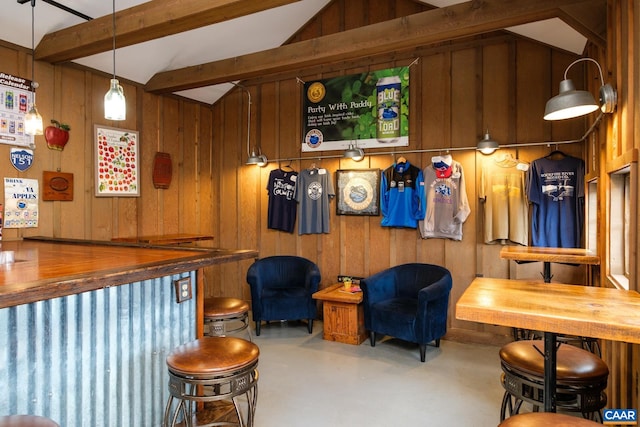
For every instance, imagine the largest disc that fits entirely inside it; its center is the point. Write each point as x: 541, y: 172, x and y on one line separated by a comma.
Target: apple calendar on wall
x: 15, y: 98
x: 116, y: 162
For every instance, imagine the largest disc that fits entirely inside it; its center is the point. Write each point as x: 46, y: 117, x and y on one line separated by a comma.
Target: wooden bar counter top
x: 46, y: 268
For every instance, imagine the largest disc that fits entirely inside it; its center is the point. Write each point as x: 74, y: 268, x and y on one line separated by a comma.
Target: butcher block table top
x: 587, y: 311
x: 537, y: 253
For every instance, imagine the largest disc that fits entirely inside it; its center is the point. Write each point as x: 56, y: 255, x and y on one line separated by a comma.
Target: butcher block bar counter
x: 85, y: 326
x: 48, y: 268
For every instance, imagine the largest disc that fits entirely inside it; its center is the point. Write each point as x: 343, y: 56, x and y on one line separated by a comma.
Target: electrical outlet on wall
x: 183, y: 289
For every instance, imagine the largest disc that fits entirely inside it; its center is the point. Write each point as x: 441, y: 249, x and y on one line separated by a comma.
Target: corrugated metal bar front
x: 97, y: 358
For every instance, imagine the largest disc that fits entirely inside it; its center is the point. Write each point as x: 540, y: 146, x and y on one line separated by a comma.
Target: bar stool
x: 212, y: 369
x: 581, y: 379
x: 223, y: 316
x: 26, y: 421
x: 545, y: 419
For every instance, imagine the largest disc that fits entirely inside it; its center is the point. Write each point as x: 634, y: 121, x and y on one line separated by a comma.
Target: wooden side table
x: 343, y: 315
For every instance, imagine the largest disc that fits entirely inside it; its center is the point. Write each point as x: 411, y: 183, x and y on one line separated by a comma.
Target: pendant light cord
x: 114, y: 38
x: 33, y: 49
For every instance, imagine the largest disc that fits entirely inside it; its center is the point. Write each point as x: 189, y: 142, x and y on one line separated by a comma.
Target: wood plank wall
x: 614, y: 146
x: 459, y: 89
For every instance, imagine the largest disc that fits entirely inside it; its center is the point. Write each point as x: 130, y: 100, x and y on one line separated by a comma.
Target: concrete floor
x: 306, y: 381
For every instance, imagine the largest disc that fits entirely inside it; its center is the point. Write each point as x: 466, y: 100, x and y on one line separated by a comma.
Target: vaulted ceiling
x: 196, y: 48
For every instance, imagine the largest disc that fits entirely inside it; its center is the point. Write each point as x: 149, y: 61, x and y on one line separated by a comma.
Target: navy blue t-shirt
x: 281, y: 213
x: 555, y: 187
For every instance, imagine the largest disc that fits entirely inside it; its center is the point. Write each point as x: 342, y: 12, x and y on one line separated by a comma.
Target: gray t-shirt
x: 314, y: 190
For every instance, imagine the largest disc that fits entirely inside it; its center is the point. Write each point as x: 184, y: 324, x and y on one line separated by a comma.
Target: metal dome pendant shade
x: 570, y: 103
x: 354, y: 153
x: 487, y: 145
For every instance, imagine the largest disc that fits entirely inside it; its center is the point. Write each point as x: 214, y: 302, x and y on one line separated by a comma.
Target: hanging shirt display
x: 503, y: 196
x: 314, y: 190
x: 555, y: 187
x: 402, y: 201
x: 282, y: 206
x: 447, y: 203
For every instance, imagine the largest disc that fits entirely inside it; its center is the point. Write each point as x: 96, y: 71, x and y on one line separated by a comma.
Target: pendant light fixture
x: 354, y: 153
x: 570, y: 103
x: 255, y: 156
x: 487, y: 145
x: 33, y: 119
x: 115, y: 106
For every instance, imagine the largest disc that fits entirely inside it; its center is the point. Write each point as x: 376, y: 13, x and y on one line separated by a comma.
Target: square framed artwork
x: 358, y: 192
x: 116, y: 162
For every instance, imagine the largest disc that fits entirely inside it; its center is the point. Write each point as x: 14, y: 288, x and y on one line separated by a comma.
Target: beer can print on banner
x: 388, y: 96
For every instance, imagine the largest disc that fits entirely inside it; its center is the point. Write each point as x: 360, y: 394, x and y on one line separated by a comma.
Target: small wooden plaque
x: 57, y: 186
x: 162, y: 170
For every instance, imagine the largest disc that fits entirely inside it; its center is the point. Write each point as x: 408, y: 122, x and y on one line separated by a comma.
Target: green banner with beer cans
x: 365, y: 110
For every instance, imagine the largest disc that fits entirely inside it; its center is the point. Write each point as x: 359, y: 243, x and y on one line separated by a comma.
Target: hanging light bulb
x: 115, y: 105
x: 33, y: 119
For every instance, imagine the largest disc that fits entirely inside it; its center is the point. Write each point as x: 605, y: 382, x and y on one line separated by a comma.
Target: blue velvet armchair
x: 281, y: 289
x: 409, y: 302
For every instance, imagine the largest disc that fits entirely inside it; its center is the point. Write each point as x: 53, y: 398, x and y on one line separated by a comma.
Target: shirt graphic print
x: 282, y: 207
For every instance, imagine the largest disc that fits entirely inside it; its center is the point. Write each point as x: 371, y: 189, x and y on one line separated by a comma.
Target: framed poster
x: 358, y: 192
x: 116, y: 162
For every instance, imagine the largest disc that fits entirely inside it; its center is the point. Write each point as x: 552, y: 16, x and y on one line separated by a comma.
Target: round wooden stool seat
x: 205, y: 357
x: 581, y: 378
x: 26, y: 421
x: 212, y: 369
x: 574, y: 365
x: 545, y: 419
x: 224, y: 316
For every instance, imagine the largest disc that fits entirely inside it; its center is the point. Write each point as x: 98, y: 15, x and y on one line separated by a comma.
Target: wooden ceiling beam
x: 433, y: 26
x: 589, y: 18
x: 144, y: 22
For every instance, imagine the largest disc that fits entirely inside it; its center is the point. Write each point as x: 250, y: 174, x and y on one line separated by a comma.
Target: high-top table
x: 549, y: 255
x: 554, y: 308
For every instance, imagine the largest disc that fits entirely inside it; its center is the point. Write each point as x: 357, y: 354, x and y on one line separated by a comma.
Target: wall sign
x: 162, y: 170
x: 16, y: 96
x: 57, y: 186
x: 21, y: 158
x: 116, y: 162
x: 370, y: 110
x: 20, y: 203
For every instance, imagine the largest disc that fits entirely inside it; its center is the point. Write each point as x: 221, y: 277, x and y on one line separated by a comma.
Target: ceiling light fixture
x: 487, y: 145
x: 33, y: 119
x: 354, y: 153
x: 255, y: 156
x: 115, y: 105
x: 570, y: 103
